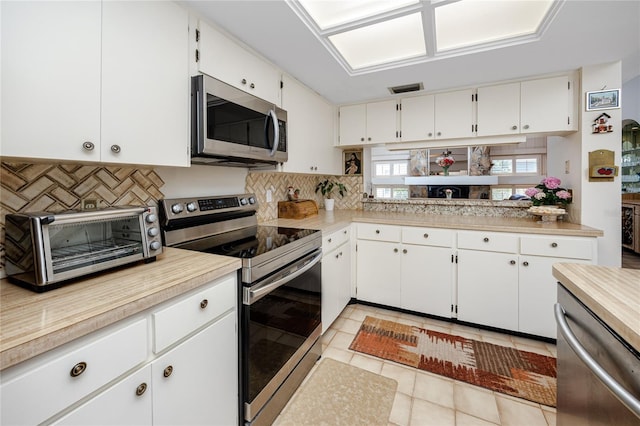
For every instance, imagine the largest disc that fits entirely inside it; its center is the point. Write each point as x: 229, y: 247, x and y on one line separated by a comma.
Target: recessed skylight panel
x: 474, y: 22
x: 388, y: 41
x: 332, y: 13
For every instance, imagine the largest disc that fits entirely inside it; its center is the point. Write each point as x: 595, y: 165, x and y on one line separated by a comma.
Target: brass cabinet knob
x: 426, y: 235
x: 244, y: 81
x: 204, y: 303
x: 141, y: 389
x: 554, y: 245
x: 377, y: 231
x: 115, y: 149
x: 78, y: 369
x: 526, y: 126
x: 167, y: 371
x: 88, y: 146
x: 514, y: 127
x: 512, y: 262
x: 404, y: 251
x: 253, y: 86
x: 485, y: 239
x: 395, y: 250
x: 525, y: 263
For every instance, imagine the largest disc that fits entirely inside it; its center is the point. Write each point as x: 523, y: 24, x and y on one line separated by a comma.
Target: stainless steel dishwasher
x: 598, y: 372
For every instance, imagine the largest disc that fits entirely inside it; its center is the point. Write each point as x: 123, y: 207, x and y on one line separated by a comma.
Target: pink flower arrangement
x: 548, y: 192
x: 445, y: 161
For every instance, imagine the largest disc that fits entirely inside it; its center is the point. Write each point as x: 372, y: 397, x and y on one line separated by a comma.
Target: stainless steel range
x: 279, y: 296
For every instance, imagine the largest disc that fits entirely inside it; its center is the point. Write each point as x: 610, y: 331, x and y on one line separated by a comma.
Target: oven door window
x: 276, y: 326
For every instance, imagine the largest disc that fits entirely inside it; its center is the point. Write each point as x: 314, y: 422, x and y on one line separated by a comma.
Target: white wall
x: 596, y: 204
x: 631, y: 99
x: 201, y: 181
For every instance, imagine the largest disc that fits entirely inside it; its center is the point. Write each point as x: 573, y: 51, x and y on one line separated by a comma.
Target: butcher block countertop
x: 613, y: 294
x: 330, y: 221
x: 33, y: 323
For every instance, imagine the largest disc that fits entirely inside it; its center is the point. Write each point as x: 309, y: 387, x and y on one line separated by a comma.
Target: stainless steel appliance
x: 598, y: 372
x: 43, y: 250
x: 280, y: 293
x: 233, y: 128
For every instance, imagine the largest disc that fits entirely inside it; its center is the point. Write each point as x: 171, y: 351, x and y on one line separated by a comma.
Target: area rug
x: 502, y: 369
x: 340, y: 394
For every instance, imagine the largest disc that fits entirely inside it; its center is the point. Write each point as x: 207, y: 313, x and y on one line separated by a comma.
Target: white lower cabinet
x: 336, y: 275
x: 111, y: 376
x: 379, y: 268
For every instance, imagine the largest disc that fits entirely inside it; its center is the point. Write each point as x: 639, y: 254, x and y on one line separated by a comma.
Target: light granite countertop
x: 330, y: 221
x: 613, y: 294
x: 33, y: 323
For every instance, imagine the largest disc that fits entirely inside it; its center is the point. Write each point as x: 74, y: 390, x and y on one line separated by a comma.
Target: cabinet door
x: 454, y: 114
x: 381, y: 122
x: 145, y: 83
x: 196, y: 383
x: 226, y: 60
x: 131, y: 396
x: 498, y: 110
x: 50, y: 80
x: 336, y: 273
x: 537, y: 294
x: 417, y: 118
x: 378, y: 272
x: 310, y: 131
x: 488, y: 288
x: 544, y: 105
x: 353, y: 124
x: 427, y: 279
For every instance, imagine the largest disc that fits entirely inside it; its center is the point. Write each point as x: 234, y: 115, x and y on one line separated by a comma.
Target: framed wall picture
x: 603, y: 99
x: 352, y: 160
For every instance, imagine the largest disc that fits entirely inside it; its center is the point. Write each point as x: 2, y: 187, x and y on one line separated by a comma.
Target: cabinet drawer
x: 488, y: 241
x: 181, y: 318
x: 574, y: 248
x: 370, y: 231
x: 335, y: 239
x: 48, y: 387
x: 428, y: 236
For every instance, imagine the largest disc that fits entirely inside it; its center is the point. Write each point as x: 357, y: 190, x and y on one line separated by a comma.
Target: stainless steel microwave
x: 45, y: 250
x: 234, y: 128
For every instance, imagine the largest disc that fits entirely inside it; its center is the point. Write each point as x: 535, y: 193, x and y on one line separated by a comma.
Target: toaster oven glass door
x: 88, y: 246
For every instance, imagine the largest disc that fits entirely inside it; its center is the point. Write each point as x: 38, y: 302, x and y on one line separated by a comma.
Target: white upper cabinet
x: 371, y: 123
x: 145, y: 83
x: 310, y: 131
x: 224, y: 59
x: 417, y: 118
x: 111, y: 82
x: 50, y: 79
x: 454, y: 114
x: 535, y: 106
x: 499, y: 110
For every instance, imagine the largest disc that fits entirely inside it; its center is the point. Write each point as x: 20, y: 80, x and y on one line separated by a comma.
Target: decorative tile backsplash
x: 60, y: 187
x: 260, y: 182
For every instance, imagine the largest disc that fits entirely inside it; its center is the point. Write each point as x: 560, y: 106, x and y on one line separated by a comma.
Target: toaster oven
x: 44, y: 250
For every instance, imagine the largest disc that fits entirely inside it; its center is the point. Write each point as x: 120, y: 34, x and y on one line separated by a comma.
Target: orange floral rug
x: 499, y: 368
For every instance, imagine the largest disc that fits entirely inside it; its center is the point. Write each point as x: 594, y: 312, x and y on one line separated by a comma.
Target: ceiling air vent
x: 406, y: 88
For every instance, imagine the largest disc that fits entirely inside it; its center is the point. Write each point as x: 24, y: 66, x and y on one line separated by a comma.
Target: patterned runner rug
x: 340, y: 394
x: 502, y: 369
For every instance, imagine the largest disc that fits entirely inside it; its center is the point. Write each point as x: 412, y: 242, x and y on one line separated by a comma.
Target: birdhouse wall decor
x: 601, y: 124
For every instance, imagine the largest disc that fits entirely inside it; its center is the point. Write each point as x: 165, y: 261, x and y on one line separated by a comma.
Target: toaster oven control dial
x: 151, y: 218
x: 176, y: 208
x: 155, y: 245
x: 153, y: 231
x: 191, y: 207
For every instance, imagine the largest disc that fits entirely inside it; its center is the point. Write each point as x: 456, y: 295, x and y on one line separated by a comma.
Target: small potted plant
x: 326, y: 188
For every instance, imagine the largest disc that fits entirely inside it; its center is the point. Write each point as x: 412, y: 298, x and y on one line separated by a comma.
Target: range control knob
x: 151, y: 218
x: 243, y: 201
x: 152, y: 232
x: 155, y: 245
x: 177, y: 208
x: 191, y: 207
x: 252, y: 200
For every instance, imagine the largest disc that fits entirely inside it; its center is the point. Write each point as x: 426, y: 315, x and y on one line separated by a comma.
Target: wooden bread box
x: 297, y: 209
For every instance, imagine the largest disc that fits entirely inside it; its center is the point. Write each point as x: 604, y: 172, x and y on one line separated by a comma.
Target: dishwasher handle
x: 624, y: 396
x: 253, y: 294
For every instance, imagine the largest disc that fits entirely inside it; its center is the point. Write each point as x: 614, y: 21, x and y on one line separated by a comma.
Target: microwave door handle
x: 252, y: 295
x: 276, y: 133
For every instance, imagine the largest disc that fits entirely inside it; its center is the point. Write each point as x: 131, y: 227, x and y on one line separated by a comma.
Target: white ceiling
x: 584, y: 32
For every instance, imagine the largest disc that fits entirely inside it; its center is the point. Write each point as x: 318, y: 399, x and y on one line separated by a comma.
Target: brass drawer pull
x: 142, y: 388
x: 426, y: 235
x: 78, y: 369
x: 554, y: 245
x: 512, y: 262
x: 204, y: 303
x: 167, y: 371
x: 486, y: 239
x: 525, y: 263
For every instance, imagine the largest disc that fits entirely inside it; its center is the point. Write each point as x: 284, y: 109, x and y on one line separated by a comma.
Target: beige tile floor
x: 424, y: 399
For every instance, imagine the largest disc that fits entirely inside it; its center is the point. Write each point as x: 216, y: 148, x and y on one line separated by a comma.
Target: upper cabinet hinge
x: 568, y: 120
x: 197, y: 55
x: 456, y: 258
x: 197, y: 34
x: 281, y: 84
x: 568, y: 85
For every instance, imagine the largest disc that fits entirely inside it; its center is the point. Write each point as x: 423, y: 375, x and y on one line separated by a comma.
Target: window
x: 503, y: 192
x: 516, y: 165
x: 389, y: 170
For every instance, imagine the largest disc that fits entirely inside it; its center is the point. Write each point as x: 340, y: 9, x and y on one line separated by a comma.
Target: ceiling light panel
x: 329, y: 14
x: 388, y: 41
x: 473, y: 22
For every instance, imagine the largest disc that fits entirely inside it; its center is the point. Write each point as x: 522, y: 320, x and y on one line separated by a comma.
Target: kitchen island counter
x: 613, y: 294
x: 33, y: 323
x: 331, y: 221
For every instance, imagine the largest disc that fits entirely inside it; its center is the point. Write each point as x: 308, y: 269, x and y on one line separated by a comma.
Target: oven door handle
x: 614, y: 387
x: 253, y: 294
